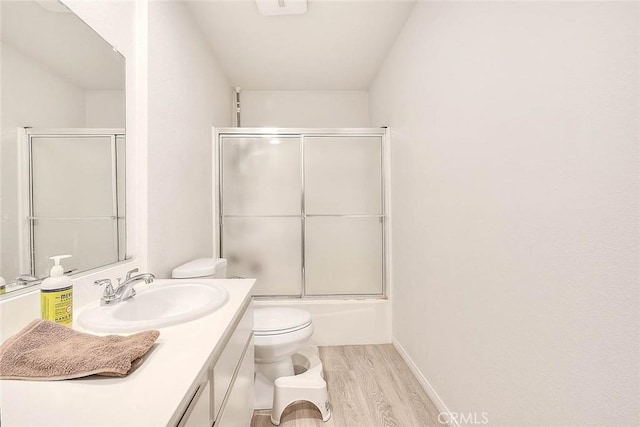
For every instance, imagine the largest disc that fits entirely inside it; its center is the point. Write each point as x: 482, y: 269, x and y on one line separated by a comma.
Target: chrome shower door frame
x: 303, y: 133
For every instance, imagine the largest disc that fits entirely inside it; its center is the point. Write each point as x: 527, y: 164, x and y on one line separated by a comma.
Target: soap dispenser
x: 56, y: 294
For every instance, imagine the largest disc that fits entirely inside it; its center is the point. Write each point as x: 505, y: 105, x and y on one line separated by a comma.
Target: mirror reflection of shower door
x: 261, y: 211
x: 76, y: 206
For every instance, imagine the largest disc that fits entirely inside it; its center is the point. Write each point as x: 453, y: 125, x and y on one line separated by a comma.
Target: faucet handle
x: 109, y: 295
x: 108, y: 291
x: 102, y: 282
x: 130, y: 273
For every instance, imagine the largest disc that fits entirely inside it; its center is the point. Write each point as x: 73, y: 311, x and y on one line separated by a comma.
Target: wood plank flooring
x: 369, y: 385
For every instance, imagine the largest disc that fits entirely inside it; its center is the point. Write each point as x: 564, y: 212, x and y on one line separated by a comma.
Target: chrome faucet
x: 125, y: 289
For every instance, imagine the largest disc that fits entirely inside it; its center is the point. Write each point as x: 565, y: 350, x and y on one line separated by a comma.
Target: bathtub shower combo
x: 303, y: 211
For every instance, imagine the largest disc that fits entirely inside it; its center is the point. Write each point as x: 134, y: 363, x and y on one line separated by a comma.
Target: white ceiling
x: 62, y: 43
x: 336, y: 45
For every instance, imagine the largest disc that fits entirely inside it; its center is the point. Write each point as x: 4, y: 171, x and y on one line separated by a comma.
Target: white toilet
x: 278, y: 333
x: 279, y: 336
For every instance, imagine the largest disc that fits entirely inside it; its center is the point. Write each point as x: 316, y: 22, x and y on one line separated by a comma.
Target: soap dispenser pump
x: 56, y: 294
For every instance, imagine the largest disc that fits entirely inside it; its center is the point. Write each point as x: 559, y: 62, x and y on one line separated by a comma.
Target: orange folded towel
x: 44, y: 350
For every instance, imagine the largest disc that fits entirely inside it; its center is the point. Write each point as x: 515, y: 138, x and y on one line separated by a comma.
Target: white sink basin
x: 154, y: 307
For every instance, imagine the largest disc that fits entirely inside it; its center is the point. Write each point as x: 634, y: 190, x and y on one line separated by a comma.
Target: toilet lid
x: 201, y: 267
x: 268, y: 321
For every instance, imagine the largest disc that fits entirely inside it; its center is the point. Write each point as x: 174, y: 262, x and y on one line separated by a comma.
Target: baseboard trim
x: 424, y: 383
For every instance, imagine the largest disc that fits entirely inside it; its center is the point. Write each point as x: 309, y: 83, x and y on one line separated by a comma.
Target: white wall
x: 304, y: 108
x: 188, y: 94
x: 105, y: 109
x: 34, y: 96
x: 515, y: 206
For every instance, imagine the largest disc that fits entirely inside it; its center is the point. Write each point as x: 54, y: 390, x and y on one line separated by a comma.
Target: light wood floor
x: 369, y: 385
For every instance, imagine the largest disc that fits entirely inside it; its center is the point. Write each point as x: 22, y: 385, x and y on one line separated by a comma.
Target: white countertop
x: 150, y: 396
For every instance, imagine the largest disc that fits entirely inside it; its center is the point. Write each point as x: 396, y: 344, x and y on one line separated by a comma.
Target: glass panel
x: 261, y: 175
x: 90, y: 241
x: 72, y: 177
x: 267, y: 249
x: 343, y: 175
x: 343, y: 256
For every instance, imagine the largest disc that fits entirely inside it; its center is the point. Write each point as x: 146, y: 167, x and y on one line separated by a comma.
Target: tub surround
x: 343, y: 321
x: 157, y: 393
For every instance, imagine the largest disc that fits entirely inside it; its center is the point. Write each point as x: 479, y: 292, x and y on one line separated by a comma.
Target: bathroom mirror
x: 62, y: 152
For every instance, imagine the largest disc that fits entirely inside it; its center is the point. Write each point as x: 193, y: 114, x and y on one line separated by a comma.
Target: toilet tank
x: 209, y: 268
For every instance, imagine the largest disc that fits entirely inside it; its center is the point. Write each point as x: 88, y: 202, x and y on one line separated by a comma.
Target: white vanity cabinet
x: 198, y: 374
x: 223, y: 395
x: 234, y: 411
x: 198, y: 412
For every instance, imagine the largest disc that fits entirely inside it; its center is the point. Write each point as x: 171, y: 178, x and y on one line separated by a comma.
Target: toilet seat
x: 279, y: 321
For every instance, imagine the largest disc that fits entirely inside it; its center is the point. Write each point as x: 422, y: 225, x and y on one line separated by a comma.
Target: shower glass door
x: 303, y: 210
x: 261, y: 215
x: 344, y: 215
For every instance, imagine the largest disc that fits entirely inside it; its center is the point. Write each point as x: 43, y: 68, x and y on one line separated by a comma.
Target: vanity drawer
x: 231, y: 356
x: 197, y: 413
x: 238, y: 408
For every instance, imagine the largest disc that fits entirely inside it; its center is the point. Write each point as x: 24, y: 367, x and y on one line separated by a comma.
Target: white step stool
x: 309, y: 386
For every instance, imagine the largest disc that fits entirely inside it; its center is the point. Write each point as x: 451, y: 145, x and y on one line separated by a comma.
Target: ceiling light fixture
x: 281, y: 7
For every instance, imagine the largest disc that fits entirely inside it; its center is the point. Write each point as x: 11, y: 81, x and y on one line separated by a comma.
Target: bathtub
x: 343, y: 322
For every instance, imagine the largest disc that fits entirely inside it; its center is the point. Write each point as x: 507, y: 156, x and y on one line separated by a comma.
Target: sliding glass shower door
x: 303, y: 210
x: 261, y: 211
x: 344, y: 215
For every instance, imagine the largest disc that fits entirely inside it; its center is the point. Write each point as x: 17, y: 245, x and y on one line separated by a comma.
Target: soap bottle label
x: 57, y: 305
